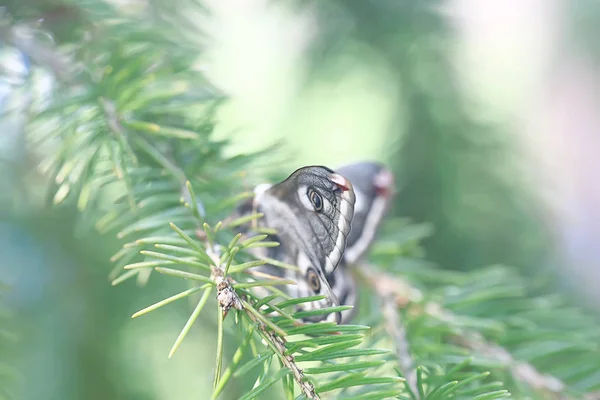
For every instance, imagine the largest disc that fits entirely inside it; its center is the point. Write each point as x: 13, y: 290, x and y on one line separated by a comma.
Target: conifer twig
x: 278, y: 343
x: 397, y: 331
x: 228, y: 298
x: 397, y: 292
x: 521, y: 370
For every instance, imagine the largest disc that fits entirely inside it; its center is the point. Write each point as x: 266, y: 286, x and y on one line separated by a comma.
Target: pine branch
x: 272, y: 323
x: 522, y: 371
x: 397, y: 293
x: 278, y: 344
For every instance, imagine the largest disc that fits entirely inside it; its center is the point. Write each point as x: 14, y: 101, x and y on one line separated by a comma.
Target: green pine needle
x: 148, y: 264
x: 168, y: 300
x: 210, y: 236
x: 190, y: 321
x: 301, y: 300
x: 314, y: 342
x: 254, y: 393
x: 264, y: 319
x: 263, y: 244
x: 321, y: 311
x: 232, y: 253
x: 280, y: 264
x: 176, y: 249
x: 194, y: 205
x: 176, y: 260
x: 153, y: 240
x: 264, y: 283
x: 233, y: 241
x: 127, y: 275
x: 244, y: 266
x: 354, y: 366
x: 189, y: 240
x: 341, y: 354
x: 498, y: 394
x: 376, y: 395
x: 245, y: 219
x: 252, y: 240
x: 358, y: 380
x: 184, y: 275
x: 325, y: 352
x: 254, y: 362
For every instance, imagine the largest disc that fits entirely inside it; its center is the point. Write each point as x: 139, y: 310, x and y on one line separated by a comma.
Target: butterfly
x: 311, y: 211
x: 315, y: 215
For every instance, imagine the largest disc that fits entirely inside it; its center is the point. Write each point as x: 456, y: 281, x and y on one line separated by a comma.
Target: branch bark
x: 397, y: 331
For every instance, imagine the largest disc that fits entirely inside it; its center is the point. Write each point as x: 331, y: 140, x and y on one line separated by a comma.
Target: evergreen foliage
x: 127, y: 138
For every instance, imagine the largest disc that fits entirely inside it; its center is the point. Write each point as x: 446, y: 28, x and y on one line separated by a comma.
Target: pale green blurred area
x: 78, y: 341
x: 76, y: 338
x: 257, y: 58
x: 350, y: 111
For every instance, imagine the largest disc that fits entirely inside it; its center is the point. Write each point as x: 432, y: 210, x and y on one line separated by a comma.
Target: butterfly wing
x: 290, y: 252
x: 311, y: 210
x: 319, y: 206
x: 374, y: 188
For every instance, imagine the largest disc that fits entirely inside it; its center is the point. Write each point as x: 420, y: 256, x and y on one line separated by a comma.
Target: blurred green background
x: 486, y: 111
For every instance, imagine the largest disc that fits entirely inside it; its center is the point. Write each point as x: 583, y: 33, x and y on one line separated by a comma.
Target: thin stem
x: 397, y: 331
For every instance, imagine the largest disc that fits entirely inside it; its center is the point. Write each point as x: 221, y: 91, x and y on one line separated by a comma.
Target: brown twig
x: 397, y: 331
x: 520, y: 370
x: 397, y: 293
x: 288, y: 360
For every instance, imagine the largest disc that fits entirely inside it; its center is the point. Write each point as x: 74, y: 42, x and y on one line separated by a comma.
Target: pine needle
x: 190, y: 321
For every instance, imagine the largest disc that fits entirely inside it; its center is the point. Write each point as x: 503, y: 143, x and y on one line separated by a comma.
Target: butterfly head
x: 383, y: 183
x: 371, y: 178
